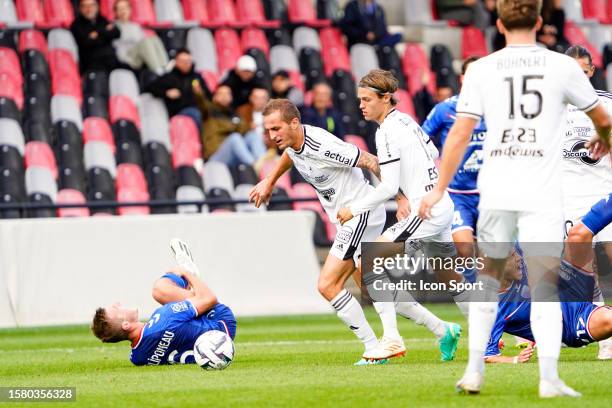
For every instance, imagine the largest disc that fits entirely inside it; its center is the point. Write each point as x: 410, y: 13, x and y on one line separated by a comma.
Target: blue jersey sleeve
x: 496, y: 334
x: 435, y: 123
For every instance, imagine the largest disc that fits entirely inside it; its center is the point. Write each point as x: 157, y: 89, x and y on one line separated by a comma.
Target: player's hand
x: 173, y: 93
x: 344, y: 215
x: 597, y: 148
x: 525, y: 354
x: 196, y: 87
x: 403, y: 207
x: 261, y: 193
x: 429, y: 201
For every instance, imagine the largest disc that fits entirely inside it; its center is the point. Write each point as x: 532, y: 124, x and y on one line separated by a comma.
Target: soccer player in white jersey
x: 522, y: 92
x: 331, y: 166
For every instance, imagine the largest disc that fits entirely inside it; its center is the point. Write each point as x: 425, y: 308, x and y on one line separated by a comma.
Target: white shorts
x: 499, y: 229
x: 577, y: 207
x: 362, y: 228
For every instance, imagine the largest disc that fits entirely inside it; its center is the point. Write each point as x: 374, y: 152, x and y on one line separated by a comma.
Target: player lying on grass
x: 331, y: 166
x: 583, y: 322
x: 189, y: 308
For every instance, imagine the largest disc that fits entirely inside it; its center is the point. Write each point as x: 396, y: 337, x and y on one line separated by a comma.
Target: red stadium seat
x: 70, y: 196
x: 128, y: 195
x: 186, y: 154
x: 143, y: 12
x: 255, y: 38
x: 575, y: 36
x: 305, y: 190
x: 31, y: 11
x: 130, y: 176
x: 228, y: 49
x: 473, y: 43
x: 222, y: 13
x: 415, y: 64
x: 357, y: 141
x: 183, y: 130
x: 39, y: 154
x: 65, y: 78
x: 251, y: 12
x: 333, y: 51
x: 405, y: 103
x: 595, y: 9
x: 9, y: 88
x: 330, y: 228
x: 195, y: 10
x: 32, y: 40
x: 98, y: 129
x: 107, y: 9
x: 122, y: 107
x: 303, y: 12
x: 296, y: 80
x: 9, y: 64
x: 284, y: 181
x: 58, y: 12
x: 211, y: 79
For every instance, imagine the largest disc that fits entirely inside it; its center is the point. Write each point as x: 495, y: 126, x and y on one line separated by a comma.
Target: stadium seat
x: 186, y: 154
x: 389, y: 60
x: 37, y: 86
x: 129, y: 151
x: 417, y: 12
x: 405, y: 103
x: 124, y: 82
x: 96, y: 83
x: 415, y: 64
x: 107, y: 9
x: 279, y: 36
x: 37, y: 110
x: 98, y: 129
x: 39, y: 154
x: 311, y: 66
x: 363, y: 59
x: 122, y: 107
x: 473, y: 43
x: 12, y: 182
x: 128, y: 195
x: 62, y: 39
x: 211, y: 79
x: 282, y: 57
x: 66, y: 108
x: 70, y: 196
x: 169, y: 11
x: 58, y: 13
x: 40, y: 180
x: 244, y: 174
x: 219, y: 194
x: 188, y: 176
x: 196, y: 11
x: 251, y: 12
x: 161, y: 186
x: 156, y: 154
x: 333, y: 51
x: 296, y: 176
x: 173, y: 39
x: 65, y: 79
x: 190, y: 193
x: 263, y: 67
x: 156, y: 125
x: 34, y: 62
x: 30, y: 11
x: 38, y: 130
x: 303, y: 12
x: 440, y: 57
x: 130, y: 176
x: 70, y: 154
x: 72, y: 178
x: 228, y: 49
x: 8, y: 109
x: 11, y: 134
x: 241, y: 192
x: 10, y: 158
x: 143, y: 12
x: 575, y: 36
x: 183, y: 130
x: 357, y: 141
x: 328, y: 10
x: 222, y: 13
x: 67, y: 132
x: 99, y: 155
x: 201, y: 44
x: 32, y: 40
x: 217, y: 175
x: 40, y: 198
x: 101, y: 187
x: 9, y: 65
x: 305, y: 37
x: 345, y: 95
x: 284, y: 181
x: 95, y: 106
x: 10, y: 89
x: 8, y: 14
x: 254, y: 38
x: 275, y: 10
x: 596, y: 10
x: 7, y: 38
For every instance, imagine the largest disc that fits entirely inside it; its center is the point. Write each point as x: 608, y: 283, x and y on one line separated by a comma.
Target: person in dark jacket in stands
x: 242, y: 80
x: 321, y: 113
x: 364, y: 22
x: 94, y: 36
x: 176, y: 88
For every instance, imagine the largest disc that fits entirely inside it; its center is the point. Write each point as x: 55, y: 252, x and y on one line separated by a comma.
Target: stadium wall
x: 58, y: 271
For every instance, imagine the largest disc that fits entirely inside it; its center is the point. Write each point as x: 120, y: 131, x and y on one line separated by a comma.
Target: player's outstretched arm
x: 262, y: 192
x: 599, y: 145
x: 369, y: 162
x: 203, y: 297
x: 523, y: 357
x: 454, y: 149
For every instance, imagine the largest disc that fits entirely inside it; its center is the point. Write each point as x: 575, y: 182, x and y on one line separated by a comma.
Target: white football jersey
x: 328, y: 164
x: 522, y: 92
x: 583, y: 176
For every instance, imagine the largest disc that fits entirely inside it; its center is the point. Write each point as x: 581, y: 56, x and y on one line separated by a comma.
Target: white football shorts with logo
x: 574, y: 208
x: 362, y: 228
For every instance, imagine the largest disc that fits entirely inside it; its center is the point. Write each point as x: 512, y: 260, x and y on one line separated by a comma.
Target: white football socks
x: 483, y: 311
x: 350, y: 312
x: 421, y: 316
x: 547, y: 328
x: 386, y: 311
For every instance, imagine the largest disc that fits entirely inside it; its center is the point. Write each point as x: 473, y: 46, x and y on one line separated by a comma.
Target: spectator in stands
x: 283, y: 89
x: 242, y: 80
x: 223, y: 130
x: 133, y: 47
x: 176, y: 88
x: 252, y: 112
x: 465, y: 12
x: 552, y: 33
x: 364, y: 22
x: 94, y: 35
x: 321, y: 113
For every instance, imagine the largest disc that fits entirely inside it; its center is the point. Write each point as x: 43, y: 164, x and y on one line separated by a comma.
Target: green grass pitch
x: 297, y: 361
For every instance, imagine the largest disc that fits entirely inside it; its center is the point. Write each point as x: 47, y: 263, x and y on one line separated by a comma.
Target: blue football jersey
x: 169, y: 335
x: 438, y: 123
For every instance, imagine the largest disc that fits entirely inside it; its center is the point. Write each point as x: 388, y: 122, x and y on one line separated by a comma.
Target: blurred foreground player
x: 189, y: 309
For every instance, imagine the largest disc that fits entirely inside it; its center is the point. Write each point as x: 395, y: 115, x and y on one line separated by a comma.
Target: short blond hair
x: 381, y: 82
x: 519, y: 14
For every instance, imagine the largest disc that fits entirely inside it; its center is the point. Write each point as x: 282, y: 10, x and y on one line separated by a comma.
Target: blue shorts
x: 599, y: 216
x: 466, y: 211
x: 576, y: 323
x: 220, y: 316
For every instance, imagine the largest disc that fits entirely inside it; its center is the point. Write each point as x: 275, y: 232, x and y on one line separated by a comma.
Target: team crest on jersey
x: 344, y: 235
x: 179, y: 307
x: 580, y: 152
x: 328, y: 194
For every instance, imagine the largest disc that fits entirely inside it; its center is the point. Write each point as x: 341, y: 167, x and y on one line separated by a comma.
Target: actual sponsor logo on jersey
x: 328, y: 194
x: 179, y: 307
x: 580, y: 152
x: 344, y: 235
x: 337, y: 157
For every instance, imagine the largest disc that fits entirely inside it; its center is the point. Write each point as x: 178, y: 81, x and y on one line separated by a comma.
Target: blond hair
x: 380, y: 82
x: 519, y: 14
